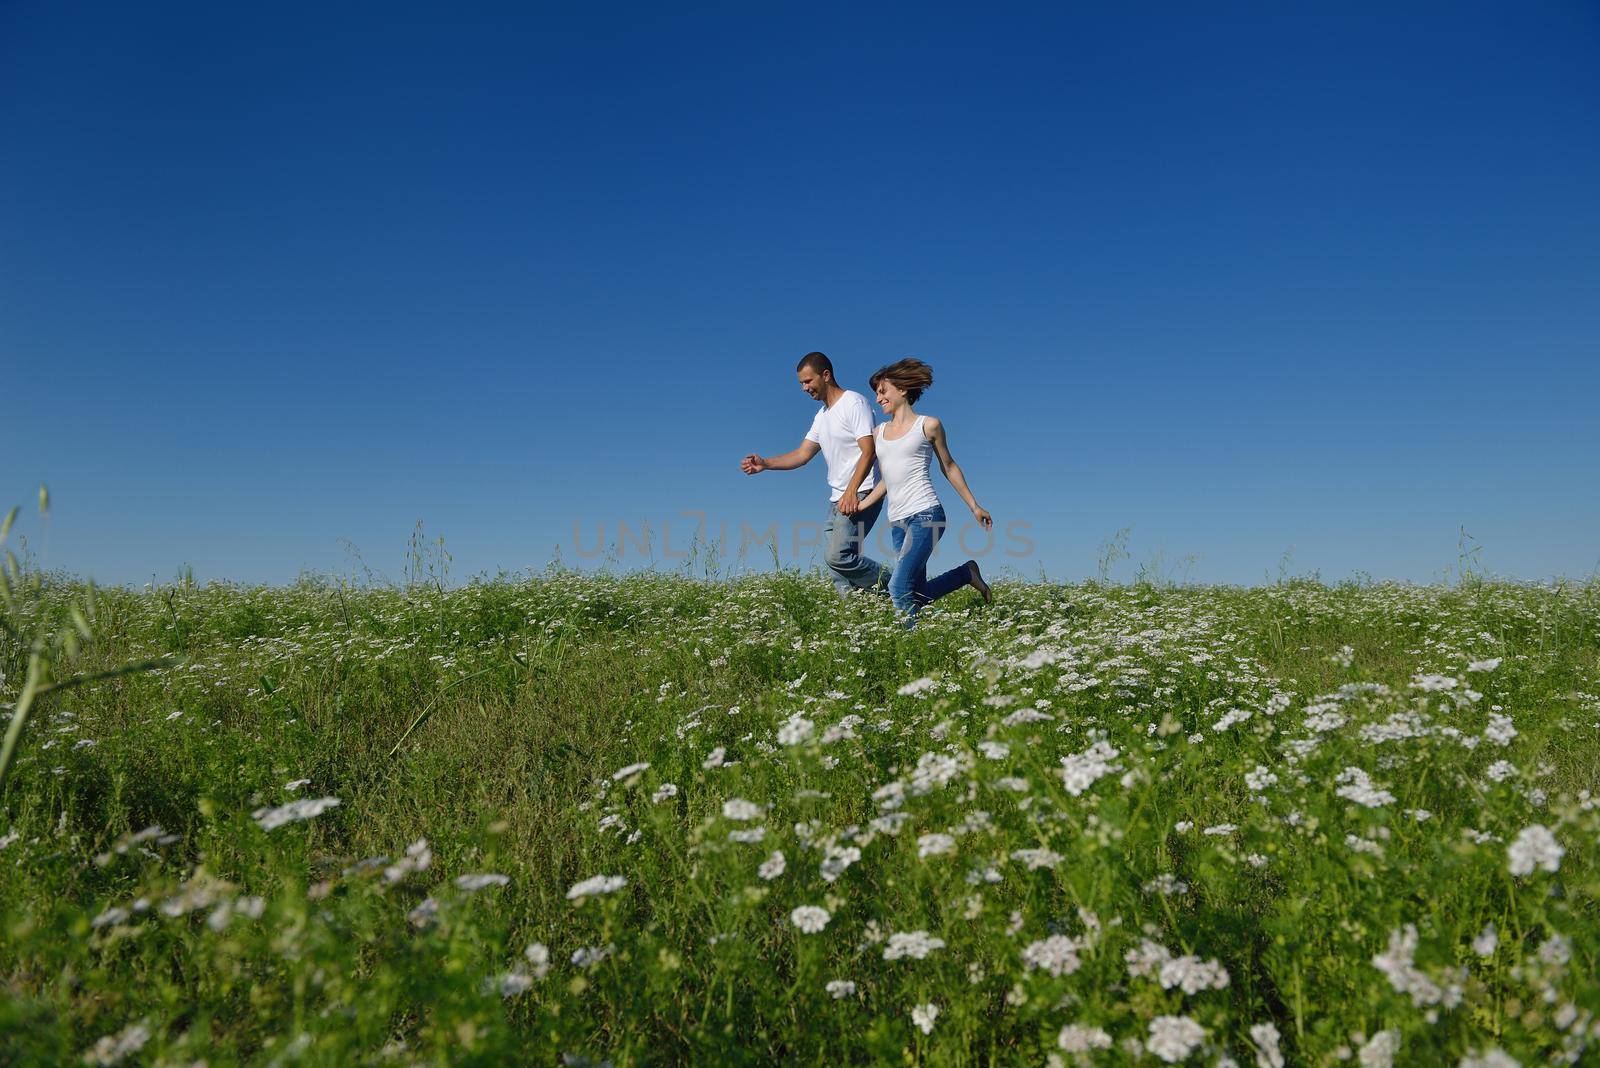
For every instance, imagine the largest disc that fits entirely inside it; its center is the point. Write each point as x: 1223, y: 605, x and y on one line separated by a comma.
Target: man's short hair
x: 817, y: 362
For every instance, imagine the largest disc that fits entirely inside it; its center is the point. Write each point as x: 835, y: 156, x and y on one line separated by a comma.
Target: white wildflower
x: 589, y: 956
x: 914, y: 944
x: 1501, y: 770
x: 810, y: 918
x: 194, y: 895
x: 1535, y: 847
x: 890, y: 823
x: 1266, y: 1038
x: 1320, y: 719
x: 1079, y: 771
x: 1434, y: 683
x: 480, y: 881
x: 738, y: 808
x: 1396, y: 962
x: 1146, y: 959
x: 934, y: 770
x: 665, y: 792
x: 631, y: 769
x: 418, y: 857
x: 1555, y: 950
x: 1358, y: 844
x: 303, y: 809
x: 1379, y: 1050
x: 773, y: 866
x: 1500, y: 730
x: 923, y: 1016
x: 1037, y: 858
x: 1174, y: 1038
x: 796, y: 731
x: 890, y: 796
x: 1057, y: 955
x: 1232, y: 717
x: 1192, y: 975
x: 1357, y: 786
x: 933, y: 845
x: 836, y: 859
x: 1076, y: 1038
x: 593, y: 887
x: 839, y: 989
x: 845, y: 728
x: 1258, y: 780
x: 513, y: 983
x: 1166, y: 884
x: 114, y: 1049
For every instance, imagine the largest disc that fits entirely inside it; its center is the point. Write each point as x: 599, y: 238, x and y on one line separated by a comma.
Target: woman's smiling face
x: 890, y: 396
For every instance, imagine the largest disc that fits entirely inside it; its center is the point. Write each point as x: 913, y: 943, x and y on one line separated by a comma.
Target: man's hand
x: 752, y: 464
x: 849, y: 504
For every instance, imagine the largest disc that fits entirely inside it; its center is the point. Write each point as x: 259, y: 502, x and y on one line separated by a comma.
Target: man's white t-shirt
x: 836, y: 430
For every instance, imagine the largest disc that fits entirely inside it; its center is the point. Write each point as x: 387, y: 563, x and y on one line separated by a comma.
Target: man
x: 842, y: 432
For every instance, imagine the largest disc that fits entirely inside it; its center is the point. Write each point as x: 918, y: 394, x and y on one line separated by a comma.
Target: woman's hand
x: 985, y: 520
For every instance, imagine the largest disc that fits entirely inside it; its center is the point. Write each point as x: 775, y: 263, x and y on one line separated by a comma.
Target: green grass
x: 537, y: 692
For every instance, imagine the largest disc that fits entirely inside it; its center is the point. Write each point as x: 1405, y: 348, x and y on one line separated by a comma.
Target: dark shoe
x: 975, y: 580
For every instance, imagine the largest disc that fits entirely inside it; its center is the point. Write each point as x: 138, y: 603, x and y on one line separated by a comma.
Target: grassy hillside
x: 648, y: 820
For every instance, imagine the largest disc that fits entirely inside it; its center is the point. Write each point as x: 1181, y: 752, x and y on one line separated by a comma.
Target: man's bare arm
x: 788, y: 461
x: 849, y: 503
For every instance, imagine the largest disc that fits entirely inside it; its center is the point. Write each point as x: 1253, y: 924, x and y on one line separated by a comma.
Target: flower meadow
x: 648, y: 819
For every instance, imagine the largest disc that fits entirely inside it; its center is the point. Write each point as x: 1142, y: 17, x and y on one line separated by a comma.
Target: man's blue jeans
x: 842, y: 539
x: 910, y: 587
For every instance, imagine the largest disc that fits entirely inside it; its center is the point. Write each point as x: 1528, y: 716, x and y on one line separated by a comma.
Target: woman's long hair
x: 910, y: 376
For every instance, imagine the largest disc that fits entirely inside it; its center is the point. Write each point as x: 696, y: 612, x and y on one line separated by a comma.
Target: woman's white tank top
x: 903, y: 463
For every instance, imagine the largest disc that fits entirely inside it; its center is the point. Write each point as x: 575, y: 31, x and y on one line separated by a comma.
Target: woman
x: 906, y: 444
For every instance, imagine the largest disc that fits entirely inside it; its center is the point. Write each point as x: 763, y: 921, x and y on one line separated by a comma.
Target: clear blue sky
x: 1240, y: 276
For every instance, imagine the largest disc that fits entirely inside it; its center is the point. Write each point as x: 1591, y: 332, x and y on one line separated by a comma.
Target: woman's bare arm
x: 952, y: 470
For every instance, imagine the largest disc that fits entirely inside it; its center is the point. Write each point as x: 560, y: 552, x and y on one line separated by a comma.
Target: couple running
x: 867, y: 464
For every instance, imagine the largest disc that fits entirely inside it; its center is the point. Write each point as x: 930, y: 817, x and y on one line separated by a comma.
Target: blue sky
x: 1243, y: 277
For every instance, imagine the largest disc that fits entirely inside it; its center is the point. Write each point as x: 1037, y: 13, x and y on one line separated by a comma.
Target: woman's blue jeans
x: 910, y: 587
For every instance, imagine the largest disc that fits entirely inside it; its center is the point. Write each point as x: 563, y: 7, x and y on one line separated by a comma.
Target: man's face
x: 813, y: 383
